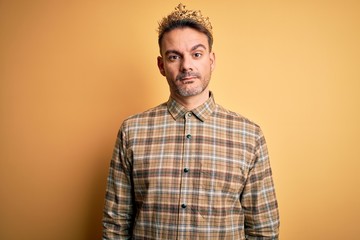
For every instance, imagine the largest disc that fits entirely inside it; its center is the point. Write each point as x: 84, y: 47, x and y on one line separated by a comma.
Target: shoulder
x: 229, y: 115
x: 237, y: 123
x: 146, y: 116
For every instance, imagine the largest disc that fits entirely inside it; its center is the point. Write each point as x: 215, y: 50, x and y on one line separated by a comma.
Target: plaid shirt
x: 200, y: 174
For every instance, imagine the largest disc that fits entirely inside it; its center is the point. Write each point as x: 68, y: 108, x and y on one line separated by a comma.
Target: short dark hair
x: 184, y: 23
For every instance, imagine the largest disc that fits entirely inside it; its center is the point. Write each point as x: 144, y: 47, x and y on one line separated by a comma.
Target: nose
x: 186, y: 64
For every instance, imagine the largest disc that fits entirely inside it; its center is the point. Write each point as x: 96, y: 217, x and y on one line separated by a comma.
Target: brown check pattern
x: 200, y: 174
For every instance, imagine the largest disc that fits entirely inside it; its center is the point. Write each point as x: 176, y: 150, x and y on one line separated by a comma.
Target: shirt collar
x: 202, y: 112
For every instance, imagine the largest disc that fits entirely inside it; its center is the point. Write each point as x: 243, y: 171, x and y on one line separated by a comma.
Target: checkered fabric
x: 199, y: 174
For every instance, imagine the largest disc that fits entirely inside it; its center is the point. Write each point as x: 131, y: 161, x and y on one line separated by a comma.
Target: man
x: 189, y: 168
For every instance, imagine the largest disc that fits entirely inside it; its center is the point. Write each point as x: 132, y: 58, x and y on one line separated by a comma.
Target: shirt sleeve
x: 118, y: 209
x: 258, y: 198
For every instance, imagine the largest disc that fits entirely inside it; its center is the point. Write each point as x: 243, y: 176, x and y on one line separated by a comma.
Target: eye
x: 173, y: 58
x: 197, y: 55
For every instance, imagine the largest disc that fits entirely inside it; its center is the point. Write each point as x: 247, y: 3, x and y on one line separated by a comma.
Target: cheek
x: 205, y: 69
x: 170, y: 71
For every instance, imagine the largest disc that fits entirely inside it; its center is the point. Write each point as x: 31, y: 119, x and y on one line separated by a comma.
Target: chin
x: 189, y: 93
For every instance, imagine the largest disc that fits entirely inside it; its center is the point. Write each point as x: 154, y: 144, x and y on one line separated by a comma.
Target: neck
x: 192, y: 102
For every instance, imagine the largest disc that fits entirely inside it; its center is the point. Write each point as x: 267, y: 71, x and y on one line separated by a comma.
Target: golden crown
x: 181, y: 13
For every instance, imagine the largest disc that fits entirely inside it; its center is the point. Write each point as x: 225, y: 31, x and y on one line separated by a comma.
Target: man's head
x: 182, y: 18
x: 186, y: 60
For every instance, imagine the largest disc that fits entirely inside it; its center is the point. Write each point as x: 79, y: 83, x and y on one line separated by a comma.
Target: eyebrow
x: 192, y: 49
x: 198, y: 46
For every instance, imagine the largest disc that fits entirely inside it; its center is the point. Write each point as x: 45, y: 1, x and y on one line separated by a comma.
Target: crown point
x: 181, y: 7
x: 181, y: 13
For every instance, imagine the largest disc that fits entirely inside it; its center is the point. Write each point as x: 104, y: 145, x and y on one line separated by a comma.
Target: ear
x: 160, y: 63
x: 212, y: 61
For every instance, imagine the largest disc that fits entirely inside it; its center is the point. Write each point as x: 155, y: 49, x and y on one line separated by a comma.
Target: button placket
x: 187, y: 119
x: 187, y: 152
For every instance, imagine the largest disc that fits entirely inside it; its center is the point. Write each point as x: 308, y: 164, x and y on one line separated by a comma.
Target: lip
x: 188, y: 78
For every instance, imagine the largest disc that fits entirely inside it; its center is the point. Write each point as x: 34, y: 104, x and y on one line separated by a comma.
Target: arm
x: 258, y: 198
x: 118, y: 209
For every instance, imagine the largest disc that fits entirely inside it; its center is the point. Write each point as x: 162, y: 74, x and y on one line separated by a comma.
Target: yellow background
x: 71, y: 71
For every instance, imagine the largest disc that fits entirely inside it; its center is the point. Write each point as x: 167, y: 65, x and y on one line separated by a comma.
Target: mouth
x: 187, y: 80
x: 187, y: 77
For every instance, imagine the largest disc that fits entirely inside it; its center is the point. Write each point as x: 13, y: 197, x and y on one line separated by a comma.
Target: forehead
x: 183, y: 39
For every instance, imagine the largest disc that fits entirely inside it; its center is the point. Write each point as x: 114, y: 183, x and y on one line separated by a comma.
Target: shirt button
x: 189, y: 114
x: 188, y: 136
x: 186, y: 170
x: 183, y: 205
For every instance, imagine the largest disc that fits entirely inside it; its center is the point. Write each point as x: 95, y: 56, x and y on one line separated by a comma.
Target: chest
x: 206, y: 156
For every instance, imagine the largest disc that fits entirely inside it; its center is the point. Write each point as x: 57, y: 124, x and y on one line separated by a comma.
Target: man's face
x: 186, y: 62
